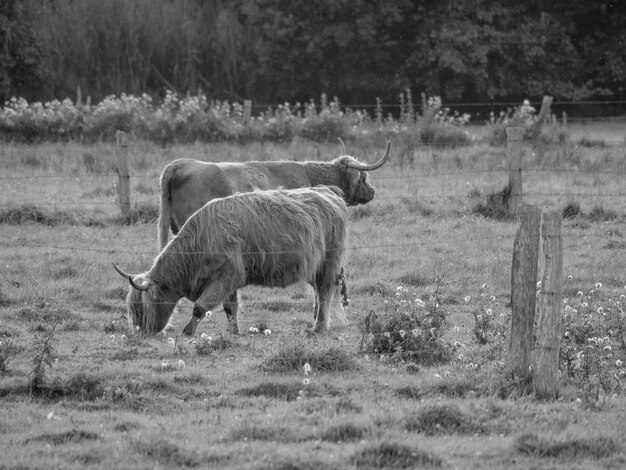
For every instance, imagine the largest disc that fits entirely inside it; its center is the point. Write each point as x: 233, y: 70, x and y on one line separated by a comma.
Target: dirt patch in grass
x: 392, y: 455
x: 410, y: 391
x: 278, y: 434
x: 287, y: 392
x: 344, y: 432
x: 74, y: 435
x: 278, y: 391
x: 290, y: 462
x: 167, y: 454
x: 443, y: 419
x: 547, y: 446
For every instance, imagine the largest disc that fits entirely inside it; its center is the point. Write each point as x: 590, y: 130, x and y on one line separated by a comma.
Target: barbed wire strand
x: 110, y: 251
x: 379, y: 177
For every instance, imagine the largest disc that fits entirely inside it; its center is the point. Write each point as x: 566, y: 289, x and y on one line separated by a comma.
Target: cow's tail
x: 165, y: 209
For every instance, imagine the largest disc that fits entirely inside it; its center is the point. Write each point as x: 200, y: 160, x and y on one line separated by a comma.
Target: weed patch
x: 600, y: 214
x: 571, y: 210
x: 30, y: 213
x: 292, y: 355
x: 495, y: 206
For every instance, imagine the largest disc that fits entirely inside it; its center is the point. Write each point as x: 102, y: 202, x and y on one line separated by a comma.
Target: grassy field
x: 80, y: 389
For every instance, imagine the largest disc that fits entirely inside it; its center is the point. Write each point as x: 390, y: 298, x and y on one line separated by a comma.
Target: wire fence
x: 397, y: 247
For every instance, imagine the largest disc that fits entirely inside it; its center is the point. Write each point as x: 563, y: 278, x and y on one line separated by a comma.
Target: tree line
x: 273, y: 51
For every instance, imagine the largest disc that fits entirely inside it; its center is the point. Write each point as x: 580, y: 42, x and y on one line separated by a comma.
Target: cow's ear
x: 154, y: 292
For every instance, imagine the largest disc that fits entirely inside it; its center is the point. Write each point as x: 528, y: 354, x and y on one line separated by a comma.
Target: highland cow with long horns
x: 269, y: 238
x: 187, y: 185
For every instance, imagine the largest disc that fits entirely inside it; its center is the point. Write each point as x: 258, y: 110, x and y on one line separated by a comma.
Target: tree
x: 19, y: 52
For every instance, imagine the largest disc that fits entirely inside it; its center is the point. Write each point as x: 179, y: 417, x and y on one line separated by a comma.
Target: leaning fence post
x: 515, y: 150
x: 524, y: 290
x: 123, y: 187
x: 545, y: 376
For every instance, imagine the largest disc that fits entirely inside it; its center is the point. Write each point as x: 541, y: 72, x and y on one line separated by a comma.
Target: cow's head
x: 149, y: 305
x: 356, y: 185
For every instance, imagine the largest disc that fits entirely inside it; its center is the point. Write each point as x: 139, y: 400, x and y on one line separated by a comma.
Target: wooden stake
x: 524, y: 290
x: 545, y: 377
x: 247, y: 111
x: 515, y: 152
x: 123, y: 188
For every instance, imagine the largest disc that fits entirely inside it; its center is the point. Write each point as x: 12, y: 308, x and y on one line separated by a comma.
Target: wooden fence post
x: 123, y: 187
x: 247, y: 111
x: 515, y: 151
x: 545, y: 376
x: 524, y: 290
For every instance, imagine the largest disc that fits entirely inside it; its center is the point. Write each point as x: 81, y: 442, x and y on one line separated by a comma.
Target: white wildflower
x: 267, y: 332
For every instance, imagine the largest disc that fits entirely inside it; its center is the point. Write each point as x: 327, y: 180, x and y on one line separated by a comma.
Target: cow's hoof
x: 189, y: 329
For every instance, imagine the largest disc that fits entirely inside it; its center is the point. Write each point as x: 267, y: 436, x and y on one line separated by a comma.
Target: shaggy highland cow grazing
x: 269, y: 238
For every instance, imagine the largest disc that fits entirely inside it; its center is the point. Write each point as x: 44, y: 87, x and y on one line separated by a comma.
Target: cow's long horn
x: 142, y: 286
x: 343, y: 147
x: 373, y: 166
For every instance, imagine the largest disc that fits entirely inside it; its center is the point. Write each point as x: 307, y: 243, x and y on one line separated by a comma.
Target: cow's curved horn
x: 373, y: 166
x: 343, y: 147
x: 143, y: 286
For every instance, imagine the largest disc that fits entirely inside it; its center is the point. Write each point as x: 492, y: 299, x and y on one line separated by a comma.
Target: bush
x: 593, y: 348
x: 327, y: 126
x: 408, y: 330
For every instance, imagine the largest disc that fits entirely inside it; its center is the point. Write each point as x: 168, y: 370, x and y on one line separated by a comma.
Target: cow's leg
x: 316, y: 303
x: 341, y: 281
x: 212, y: 296
x: 231, y: 308
x: 324, y: 285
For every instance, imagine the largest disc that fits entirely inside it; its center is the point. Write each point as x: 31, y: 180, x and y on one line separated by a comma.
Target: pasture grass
x: 112, y: 398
